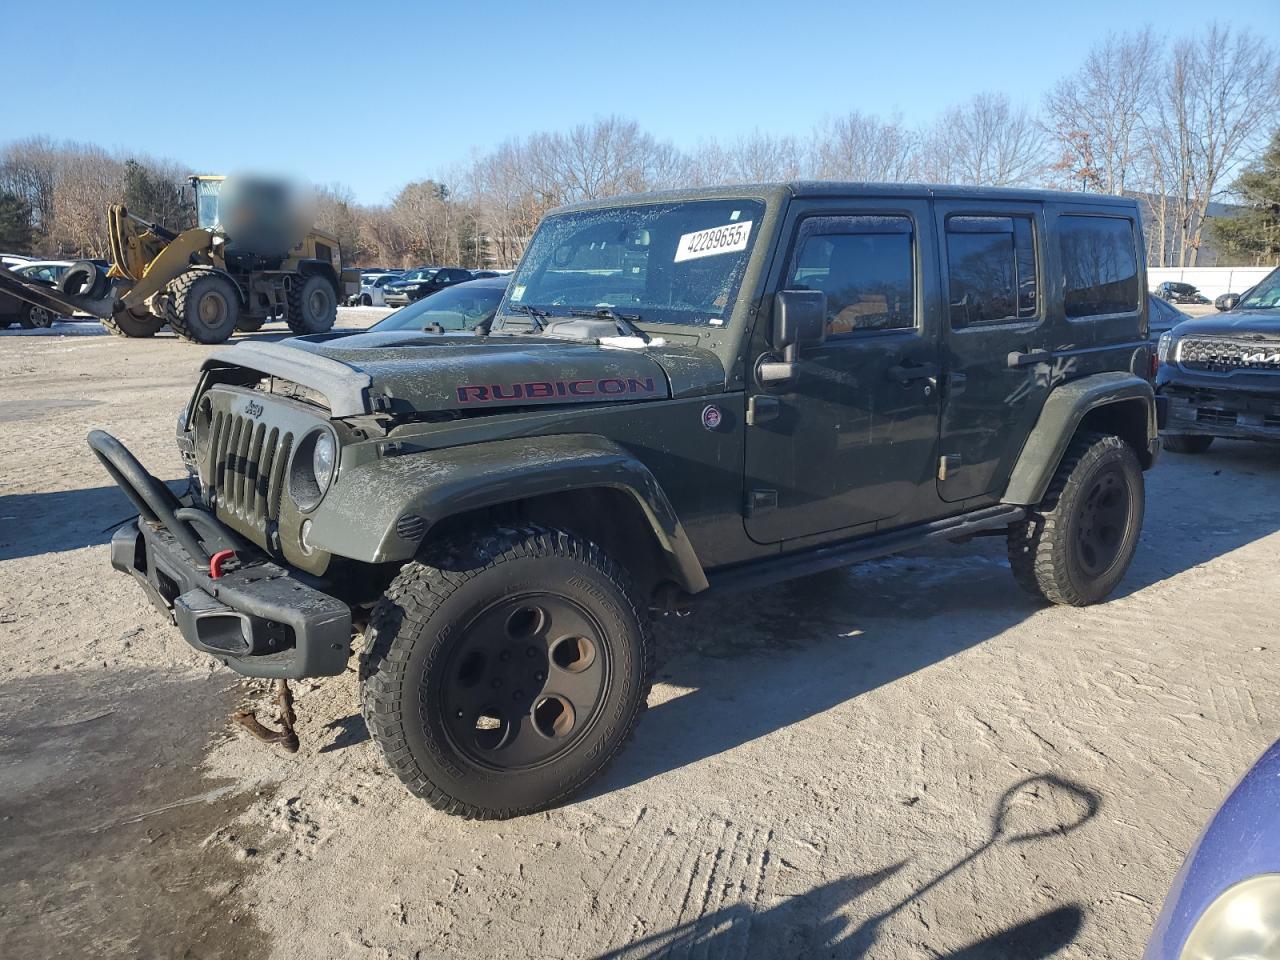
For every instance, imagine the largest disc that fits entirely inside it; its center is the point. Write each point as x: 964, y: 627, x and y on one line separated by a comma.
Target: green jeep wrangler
x: 681, y: 394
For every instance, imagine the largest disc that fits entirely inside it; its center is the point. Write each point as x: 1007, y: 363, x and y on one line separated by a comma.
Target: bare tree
x: 1097, y: 114
x: 27, y: 171
x: 1219, y: 97
x: 859, y: 146
x: 754, y: 158
x: 986, y: 142
x: 87, y: 180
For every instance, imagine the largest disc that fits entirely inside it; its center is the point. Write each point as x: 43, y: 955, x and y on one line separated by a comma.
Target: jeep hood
x: 409, y: 371
x: 1240, y: 324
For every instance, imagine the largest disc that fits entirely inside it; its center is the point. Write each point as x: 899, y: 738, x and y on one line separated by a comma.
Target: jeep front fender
x: 1060, y: 418
x: 372, y: 512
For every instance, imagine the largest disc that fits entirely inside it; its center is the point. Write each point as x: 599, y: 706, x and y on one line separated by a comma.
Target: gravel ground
x: 909, y: 758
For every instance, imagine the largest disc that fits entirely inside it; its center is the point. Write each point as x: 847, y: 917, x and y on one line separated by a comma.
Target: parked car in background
x: 364, y: 270
x: 1174, y: 292
x: 422, y: 282
x: 1162, y: 316
x: 1225, y: 901
x: 372, y: 286
x: 28, y: 315
x: 1219, y: 376
x: 49, y: 270
x: 463, y: 306
x: 14, y: 259
x: 485, y: 274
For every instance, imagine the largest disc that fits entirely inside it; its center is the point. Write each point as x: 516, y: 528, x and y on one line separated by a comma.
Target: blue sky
x: 374, y: 95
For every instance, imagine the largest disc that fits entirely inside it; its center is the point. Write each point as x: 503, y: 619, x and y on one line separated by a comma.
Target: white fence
x: 1211, y: 281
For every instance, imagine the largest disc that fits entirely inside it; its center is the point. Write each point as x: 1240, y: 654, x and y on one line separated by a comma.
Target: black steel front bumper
x: 258, y: 618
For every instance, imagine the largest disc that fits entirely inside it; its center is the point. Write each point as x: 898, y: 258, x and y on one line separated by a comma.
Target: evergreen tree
x: 1255, y: 233
x: 16, y: 232
x: 154, y: 197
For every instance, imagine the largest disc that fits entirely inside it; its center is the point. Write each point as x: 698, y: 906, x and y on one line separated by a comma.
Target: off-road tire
x: 35, y: 318
x: 366, y: 300
x: 83, y: 279
x: 1044, y: 550
x: 189, y: 296
x: 419, y: 627
x: 313, y: 305
x: 1187, y: 443
x: 247, y: 324
x: 127, y: 323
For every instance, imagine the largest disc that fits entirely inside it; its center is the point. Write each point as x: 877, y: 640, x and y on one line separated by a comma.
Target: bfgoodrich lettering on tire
x: 1076, y: 545
x: 504, y: 670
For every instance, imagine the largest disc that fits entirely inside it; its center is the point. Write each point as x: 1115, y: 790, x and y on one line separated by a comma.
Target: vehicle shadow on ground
x: 817, y: 922
x: 1203, y: 506
x: 351, y: 730
x: 32, y: 524
x: 753, y: 664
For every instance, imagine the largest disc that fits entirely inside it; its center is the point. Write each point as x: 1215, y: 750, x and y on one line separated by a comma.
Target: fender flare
x: 324, y: 268
x: 1060, y: 418
x: 381, y: 511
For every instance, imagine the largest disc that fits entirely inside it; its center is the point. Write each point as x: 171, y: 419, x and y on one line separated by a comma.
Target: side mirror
x: 1230, y: 301
x: 799, y: 320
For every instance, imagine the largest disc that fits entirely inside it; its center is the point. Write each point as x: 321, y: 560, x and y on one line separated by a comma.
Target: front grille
x: 249, y: 460
x: 1219, y: 353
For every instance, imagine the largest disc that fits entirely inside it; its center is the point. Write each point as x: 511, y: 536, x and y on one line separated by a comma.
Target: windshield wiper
x: 536, y: 317
x: 625, y: 322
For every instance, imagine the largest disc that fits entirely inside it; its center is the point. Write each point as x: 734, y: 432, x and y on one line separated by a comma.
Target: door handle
x: 907, y: 372
x: 1028, y: 359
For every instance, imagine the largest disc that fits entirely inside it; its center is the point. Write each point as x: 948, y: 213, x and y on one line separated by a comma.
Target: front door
x: 993, y: 276
x: 850, y: 444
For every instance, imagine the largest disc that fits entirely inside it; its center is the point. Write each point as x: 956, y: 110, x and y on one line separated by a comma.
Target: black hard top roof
x: 841, y: 188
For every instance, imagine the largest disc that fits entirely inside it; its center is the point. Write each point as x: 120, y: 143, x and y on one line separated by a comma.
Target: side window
x: 992, y: 267
x: 865, y: 266
x: 1099, y: 265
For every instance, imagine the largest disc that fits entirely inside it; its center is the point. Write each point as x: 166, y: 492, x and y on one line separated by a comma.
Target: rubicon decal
x: 610, y: 388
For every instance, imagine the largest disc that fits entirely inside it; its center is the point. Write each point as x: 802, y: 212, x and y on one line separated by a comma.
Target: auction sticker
x: 730, y: 238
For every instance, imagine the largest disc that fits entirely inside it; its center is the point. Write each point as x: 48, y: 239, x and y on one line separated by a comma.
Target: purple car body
x: 1240, y: 842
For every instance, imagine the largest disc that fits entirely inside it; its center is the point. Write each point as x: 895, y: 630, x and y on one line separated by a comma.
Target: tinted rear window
x: 1099, y: 265
x: 992, y: 263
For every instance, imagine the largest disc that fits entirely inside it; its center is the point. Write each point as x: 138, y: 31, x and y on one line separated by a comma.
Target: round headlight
x: 322, y: 461
x: 1163, y: 346
x: 312, y: 469
x: 1244, y: 921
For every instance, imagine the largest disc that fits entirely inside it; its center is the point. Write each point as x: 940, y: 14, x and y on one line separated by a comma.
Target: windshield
x: 661, y: 262
x: 1266, y: 295
x: 459, y: 307
x: 207, y: 203
x: 418, y: 275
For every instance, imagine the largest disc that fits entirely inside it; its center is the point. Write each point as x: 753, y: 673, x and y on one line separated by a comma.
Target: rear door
x: 851, y: 442
x: 993, y: 277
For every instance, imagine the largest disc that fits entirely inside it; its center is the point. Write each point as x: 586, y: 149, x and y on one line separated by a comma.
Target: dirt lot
x: 905, y: 759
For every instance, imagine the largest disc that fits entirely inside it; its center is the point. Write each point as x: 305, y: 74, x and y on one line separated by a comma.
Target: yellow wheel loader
x: 240, y: 266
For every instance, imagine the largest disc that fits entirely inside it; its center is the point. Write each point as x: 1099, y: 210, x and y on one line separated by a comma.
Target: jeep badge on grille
x: 253, y: 408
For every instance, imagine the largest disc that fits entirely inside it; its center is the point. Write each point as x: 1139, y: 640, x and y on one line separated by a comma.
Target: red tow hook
x: 216, y: 562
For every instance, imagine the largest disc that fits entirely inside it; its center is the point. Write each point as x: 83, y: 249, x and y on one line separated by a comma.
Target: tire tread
x: 1038, y: 555
x: 419, y: 591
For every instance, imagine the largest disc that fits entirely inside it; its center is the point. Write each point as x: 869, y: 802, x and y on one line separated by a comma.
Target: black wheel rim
x: 1102, y: 523
x: 524, y: 682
